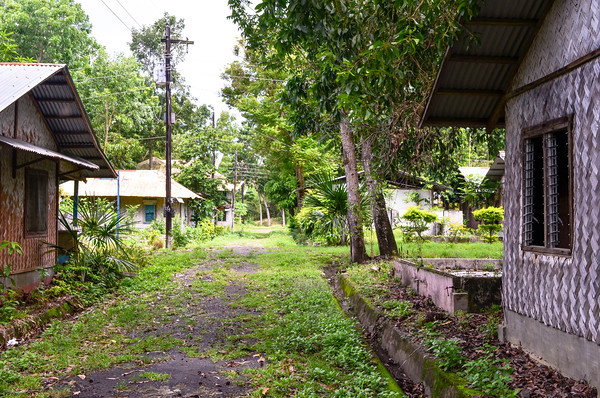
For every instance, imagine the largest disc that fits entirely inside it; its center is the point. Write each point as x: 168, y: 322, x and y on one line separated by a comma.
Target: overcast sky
x: 206, y: 23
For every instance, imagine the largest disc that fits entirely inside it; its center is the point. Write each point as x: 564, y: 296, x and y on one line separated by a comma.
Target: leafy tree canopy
x: 56, y: 31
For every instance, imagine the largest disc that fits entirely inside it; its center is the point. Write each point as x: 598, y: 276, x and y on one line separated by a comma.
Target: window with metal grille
x: 36, y: 202
x: 149, y: 213
x: 547, y: 191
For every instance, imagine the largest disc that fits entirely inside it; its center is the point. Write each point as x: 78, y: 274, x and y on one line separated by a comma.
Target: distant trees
x: 365, y: 64
x: 56, y: 31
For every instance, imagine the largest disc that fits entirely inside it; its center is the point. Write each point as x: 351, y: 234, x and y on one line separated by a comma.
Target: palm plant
x: 325, y: 210
x: 97, y: 251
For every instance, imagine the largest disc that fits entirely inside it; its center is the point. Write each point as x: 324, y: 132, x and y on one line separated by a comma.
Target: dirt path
x: 202, y: 323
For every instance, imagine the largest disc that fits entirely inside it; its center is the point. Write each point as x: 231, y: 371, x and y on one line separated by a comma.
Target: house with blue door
x: 141, y: 193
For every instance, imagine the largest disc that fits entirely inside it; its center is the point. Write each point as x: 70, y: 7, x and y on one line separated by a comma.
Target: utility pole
x: 214, y: 154
x: 168, y: 200
x: 233, y: 197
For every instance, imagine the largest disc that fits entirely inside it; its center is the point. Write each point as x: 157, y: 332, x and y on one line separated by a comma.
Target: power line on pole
x: 169, y: 211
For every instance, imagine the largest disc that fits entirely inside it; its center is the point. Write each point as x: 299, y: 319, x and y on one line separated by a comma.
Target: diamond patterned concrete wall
x: 560, y: 291
x: 570, y: 31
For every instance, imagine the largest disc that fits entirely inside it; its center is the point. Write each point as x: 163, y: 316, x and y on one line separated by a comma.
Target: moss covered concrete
x: 25, y: 326
x: 416, y: 363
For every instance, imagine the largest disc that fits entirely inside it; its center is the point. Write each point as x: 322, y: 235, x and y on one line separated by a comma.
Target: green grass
x: 452, y: 250
x: 292, y: 320
x: 153, y: 376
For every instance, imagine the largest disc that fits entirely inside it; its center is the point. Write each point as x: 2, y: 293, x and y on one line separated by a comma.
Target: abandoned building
x: 45, y: 138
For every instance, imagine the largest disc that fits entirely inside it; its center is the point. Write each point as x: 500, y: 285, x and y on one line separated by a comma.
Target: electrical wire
x: 130, y: 16
x: 115, y: 14
x: 100, y: 77
x: 117, y: 93
x: 257, y: 78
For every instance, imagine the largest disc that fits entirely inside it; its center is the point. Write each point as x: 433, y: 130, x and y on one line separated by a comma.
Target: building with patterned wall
x: 45, y: 138
x: 534, y: 69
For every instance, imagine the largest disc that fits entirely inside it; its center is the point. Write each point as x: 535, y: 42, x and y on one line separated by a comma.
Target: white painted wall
x: 396, y: 201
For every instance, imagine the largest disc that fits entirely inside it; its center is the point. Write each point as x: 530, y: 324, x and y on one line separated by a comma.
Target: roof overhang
x: 54, y: 93
x: 48, y: 154
x: 471, y: 86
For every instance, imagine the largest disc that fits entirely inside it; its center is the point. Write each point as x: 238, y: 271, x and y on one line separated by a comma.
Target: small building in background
x: 45, y: 138
x: 405, y: 190
x: 141, y: 194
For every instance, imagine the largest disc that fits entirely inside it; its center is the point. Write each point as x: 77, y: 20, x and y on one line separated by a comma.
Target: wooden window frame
x: 28, y: 172
x: 552, y: 126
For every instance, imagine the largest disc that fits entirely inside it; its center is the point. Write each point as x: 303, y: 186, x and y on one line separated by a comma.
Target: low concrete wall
x: 28, y: 280
x: 416, y: 363
x: 23, y: 327
x: 571, y: 355
x: 449, y: 292
x: 464, y: 263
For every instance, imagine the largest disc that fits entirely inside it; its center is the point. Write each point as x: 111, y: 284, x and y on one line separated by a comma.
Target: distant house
x: 144, y: 190
x: 45, y: 138
x: 496, y: 174
x: 404, y: 187
x: 405, y: 190
x: 534, y: 70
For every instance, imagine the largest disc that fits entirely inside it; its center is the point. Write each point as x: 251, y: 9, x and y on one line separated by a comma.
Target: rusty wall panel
x: 12, y: 190
x: 561, y: 292
x: 570, y: 31
x: 7, y: 121
x: 32, y: 127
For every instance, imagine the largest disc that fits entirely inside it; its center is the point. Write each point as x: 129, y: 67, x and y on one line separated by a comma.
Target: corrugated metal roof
x: 54, y: 92
x: 133, y: 183
x: 16, y: 81
x: 496, y: 171
x: 27, y: 147
x: 475, y: 73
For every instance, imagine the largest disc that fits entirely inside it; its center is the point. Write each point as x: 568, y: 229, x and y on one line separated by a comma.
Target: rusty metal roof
x: 133, y: 183
x: 54, y: 92
x: 475, y: 73
x: 47, y: 153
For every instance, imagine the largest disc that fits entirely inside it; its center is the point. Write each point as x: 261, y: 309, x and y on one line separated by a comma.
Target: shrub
x: 456, y: 229
x: 312, y: 221
x: 491, y: 217
x: 418, y: 220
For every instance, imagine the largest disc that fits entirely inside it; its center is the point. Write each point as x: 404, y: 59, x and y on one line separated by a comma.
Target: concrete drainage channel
x: 406, y: 359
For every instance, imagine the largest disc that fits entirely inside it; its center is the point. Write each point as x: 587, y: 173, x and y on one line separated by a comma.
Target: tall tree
x: 8, y: 49
x: 369, y: 61
x: 273, y: 134
x: 49, y: 30
x: 197, y: 148
x: 149, y: 50
x: 122, y: 106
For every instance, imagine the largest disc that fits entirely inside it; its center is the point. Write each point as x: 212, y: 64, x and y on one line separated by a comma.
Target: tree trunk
x: 301, y: 185
x: 283, y: 217
x: 260, y: 209
x: 267, y: 211
x: 358, y: 252
x: 385, y: 234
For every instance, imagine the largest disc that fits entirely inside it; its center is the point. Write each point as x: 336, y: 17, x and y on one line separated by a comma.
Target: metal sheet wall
x: 31, y: 128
